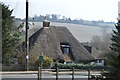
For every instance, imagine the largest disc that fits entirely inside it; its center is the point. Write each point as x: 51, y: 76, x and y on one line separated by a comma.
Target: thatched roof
x: 47, y: 41
x: 93, y: 52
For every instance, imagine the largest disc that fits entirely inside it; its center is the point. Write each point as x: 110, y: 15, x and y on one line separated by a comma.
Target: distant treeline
x: 63, y: 19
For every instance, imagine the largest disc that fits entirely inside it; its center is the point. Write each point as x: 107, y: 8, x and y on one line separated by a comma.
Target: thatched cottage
x: 57, y: 43
x: 99, y: 60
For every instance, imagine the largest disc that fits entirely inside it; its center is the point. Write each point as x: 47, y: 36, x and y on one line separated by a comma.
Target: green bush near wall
x: 81, y: 66
x: 46, y: 63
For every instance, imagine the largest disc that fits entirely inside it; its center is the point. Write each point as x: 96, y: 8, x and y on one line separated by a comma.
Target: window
x: 65, y: 48
x: 99, y: 61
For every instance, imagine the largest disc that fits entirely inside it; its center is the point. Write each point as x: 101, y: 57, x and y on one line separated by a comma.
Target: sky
x: 106, y: 10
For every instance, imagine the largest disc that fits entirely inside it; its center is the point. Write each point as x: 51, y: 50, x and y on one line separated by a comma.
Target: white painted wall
x: 98, y: 62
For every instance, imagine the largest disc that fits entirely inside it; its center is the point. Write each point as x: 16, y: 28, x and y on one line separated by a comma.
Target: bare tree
x: 101, y: 43
x: 96, y: 42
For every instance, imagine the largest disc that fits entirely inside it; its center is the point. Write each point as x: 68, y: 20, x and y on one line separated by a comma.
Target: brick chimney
x: 46, y: 23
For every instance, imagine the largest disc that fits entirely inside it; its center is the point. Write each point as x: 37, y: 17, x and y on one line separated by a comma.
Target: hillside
x: 64, y: 19
x: 82, y: 32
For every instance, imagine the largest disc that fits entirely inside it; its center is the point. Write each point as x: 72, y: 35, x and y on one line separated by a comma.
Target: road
x: 44, y: 77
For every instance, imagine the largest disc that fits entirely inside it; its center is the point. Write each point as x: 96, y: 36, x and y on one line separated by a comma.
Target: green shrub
x: 81, y: 66
x: 47, y: 61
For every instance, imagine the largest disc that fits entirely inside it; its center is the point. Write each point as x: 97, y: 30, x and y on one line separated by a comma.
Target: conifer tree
x: 113, y: 57
x: 10, y: 35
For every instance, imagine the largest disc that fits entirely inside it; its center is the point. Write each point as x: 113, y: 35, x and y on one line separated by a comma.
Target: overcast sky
x: 106, y: 10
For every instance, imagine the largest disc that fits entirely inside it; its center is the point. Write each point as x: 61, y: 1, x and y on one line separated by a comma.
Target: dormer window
x: 65, y: 48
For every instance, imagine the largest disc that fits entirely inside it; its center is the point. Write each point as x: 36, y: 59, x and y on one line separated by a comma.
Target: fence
x: 91, y: 75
